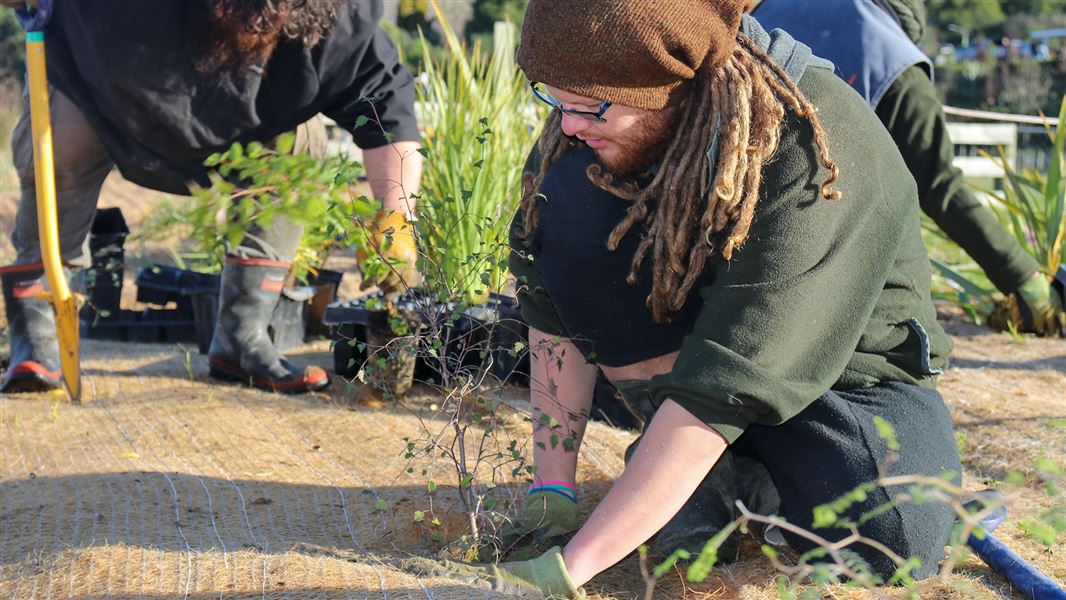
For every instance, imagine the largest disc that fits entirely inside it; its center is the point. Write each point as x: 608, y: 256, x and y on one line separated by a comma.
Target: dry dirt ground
x: 166, y: 484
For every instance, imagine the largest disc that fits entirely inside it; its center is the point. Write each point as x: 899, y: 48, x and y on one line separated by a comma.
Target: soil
x: 167, y: 484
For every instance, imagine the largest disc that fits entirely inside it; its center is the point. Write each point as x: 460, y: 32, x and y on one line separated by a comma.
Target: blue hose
x: 1020, y: 573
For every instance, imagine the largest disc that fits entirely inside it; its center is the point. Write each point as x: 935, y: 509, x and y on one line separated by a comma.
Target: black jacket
x: 129, y: 66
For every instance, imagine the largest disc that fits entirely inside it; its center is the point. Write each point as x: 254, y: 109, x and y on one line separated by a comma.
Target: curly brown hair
x: 748, y: 95
x: 236, y: 34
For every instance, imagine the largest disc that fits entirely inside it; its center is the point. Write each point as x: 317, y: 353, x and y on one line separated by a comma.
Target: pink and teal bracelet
x: 556, y: 487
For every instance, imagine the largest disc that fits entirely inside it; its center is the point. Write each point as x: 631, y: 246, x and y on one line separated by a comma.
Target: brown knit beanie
x: 630, y: 52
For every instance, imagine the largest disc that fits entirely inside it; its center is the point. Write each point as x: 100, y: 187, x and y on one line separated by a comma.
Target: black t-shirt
x: 129, y: 65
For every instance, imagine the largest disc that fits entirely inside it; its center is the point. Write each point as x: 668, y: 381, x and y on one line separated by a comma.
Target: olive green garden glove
x: 541, y: 577
x: 544, y: 516
x: 392, y: 236
x: 1033, y: 308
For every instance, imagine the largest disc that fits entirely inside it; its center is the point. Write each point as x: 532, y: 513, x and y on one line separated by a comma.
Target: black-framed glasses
x: 545, y: 96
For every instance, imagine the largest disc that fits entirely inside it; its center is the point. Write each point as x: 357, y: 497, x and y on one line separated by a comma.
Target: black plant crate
x: 147, y: 326
x: 103, y: 279
x: 171, y: 326
x: 160, y: 284
x: 107, y: 234
x: 463, y: 346
x: 510, y: 341
x: 100, y: 326
x: 204, y: 315
x: 346, y: 322
x: 325, y: 276
x: 103, y: 291
x: 326, y: 283
x: 469, y: 337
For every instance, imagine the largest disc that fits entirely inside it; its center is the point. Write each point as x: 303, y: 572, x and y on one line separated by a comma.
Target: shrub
x: 311, y: 192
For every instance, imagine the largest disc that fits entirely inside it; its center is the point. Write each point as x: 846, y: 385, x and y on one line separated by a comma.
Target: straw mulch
x: 170, y: 485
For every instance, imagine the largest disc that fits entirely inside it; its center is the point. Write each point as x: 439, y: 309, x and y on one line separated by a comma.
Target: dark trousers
x: 833, y: 446
x: 821, y: 454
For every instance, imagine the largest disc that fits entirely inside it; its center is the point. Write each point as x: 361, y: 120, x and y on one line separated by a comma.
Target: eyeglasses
x: 545, y: 96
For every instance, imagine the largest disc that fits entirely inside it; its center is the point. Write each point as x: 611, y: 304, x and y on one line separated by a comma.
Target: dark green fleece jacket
x: 823, y: 295
x: 915, y: 119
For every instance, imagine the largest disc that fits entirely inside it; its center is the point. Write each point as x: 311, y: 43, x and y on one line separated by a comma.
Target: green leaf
x: 824, y: 516
x: 668, y: 564
x: 886, y: 432
x: 972, y: 291
x: 784, y: 588
x: 708, y: 556
x: 286, y: 142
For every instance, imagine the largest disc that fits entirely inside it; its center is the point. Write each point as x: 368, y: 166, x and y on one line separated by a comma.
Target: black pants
x: 826, y: 451
x: 833, y: 446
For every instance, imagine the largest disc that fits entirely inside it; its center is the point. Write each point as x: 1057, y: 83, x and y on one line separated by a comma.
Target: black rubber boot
x: 34, y: 363
x: 241, y: 349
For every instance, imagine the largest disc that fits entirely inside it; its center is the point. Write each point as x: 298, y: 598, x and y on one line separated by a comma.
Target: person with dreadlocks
x: 723, y: 226
x: 873, y: 45
x: 155, y: 88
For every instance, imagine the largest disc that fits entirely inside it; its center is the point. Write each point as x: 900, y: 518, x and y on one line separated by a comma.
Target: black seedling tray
x: 479, y: 337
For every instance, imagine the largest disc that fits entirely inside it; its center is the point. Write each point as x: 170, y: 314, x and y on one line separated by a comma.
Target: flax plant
x: 1032, y: 208
x: 479, y: 123
x: 1033, y: 205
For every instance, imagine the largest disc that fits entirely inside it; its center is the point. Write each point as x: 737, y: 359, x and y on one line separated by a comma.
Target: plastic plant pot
x: 326, y: 284
x: 391, y: 355
x: 103, y: 280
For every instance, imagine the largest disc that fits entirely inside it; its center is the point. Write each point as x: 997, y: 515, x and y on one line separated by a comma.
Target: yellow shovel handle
x: 62, y: 299
x: 44, y: 168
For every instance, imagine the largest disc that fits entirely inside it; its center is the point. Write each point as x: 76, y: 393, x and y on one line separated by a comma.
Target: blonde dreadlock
x: 747, y: 95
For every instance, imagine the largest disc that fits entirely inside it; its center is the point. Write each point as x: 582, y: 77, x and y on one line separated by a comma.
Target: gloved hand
x: 544, y: 516
x: 1033, y: 308
x: 544, y: 576
x: 401, y: 253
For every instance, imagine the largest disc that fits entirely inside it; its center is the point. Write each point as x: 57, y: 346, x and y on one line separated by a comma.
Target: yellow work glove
x: 391, y: 237
x: 1033, y: 308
